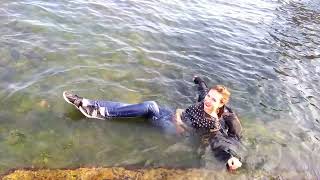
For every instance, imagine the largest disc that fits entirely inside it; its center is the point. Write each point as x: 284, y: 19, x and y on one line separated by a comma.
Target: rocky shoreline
x: 139, y: 173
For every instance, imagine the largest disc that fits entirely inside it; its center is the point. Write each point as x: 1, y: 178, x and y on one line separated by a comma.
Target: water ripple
x: 265, y: 51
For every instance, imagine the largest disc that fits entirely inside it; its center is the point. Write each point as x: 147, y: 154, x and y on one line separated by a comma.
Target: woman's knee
x: 153, y: 107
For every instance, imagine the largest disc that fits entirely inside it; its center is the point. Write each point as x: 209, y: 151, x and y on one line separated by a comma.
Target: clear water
x: 267, y: 53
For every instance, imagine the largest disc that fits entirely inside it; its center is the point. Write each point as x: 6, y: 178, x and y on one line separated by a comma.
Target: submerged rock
x: 43, y: 103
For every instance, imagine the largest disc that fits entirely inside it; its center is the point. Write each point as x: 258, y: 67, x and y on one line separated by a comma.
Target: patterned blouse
x: 195, y: 116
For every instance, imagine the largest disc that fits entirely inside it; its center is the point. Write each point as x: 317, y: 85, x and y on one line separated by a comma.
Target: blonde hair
x: 223, y: 91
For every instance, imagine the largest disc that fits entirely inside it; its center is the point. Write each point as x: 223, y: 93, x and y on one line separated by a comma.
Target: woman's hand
x: 178, y: 122
x: 233, y: 164
x: 196, y: 79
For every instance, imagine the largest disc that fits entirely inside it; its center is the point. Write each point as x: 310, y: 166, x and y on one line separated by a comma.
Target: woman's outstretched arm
x: 227, y: 149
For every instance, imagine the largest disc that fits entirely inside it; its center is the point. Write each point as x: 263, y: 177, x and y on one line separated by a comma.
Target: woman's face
x: 212, y: 101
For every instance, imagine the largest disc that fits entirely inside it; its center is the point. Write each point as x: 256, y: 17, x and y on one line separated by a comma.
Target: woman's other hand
x: 196, y: 79
x: 233, y: 164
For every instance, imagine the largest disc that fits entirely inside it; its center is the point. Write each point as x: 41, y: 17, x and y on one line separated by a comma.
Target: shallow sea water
x: 267, y: 52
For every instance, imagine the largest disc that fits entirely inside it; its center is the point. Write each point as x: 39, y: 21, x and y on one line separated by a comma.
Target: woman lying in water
x: 210, y: 115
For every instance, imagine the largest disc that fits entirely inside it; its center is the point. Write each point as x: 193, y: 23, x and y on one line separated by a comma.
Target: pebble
x: 44, y: 104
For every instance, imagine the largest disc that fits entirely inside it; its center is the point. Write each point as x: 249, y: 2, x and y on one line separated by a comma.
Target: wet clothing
x: 158, y: 116
x: 225, y: 132
x: 224, y: 147
x: 229, y: 122
x: 113, y: 109
x: 224, y: 143
x: 199, y: 119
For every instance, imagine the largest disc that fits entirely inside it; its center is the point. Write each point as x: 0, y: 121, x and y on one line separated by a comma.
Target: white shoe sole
x: 84, y: 112
x: 66, y: 99
x: 87, y: 115
x: 80, y: 108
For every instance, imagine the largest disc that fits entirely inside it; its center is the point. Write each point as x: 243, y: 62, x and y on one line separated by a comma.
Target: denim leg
x: 164, y: 121
x: 148, y: 109
x: 159, y: 117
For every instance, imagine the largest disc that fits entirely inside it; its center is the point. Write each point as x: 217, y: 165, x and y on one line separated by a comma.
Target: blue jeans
x: 158, y: 116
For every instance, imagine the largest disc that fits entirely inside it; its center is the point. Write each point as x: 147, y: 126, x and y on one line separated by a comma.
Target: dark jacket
x: 230, y: 123
x: 224, y: 143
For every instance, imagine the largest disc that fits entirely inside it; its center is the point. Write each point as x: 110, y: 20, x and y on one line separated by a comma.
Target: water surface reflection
x: 267, y: 52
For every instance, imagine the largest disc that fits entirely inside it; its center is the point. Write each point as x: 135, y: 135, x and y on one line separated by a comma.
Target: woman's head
x: 217, y: 97
x: 223, y: 91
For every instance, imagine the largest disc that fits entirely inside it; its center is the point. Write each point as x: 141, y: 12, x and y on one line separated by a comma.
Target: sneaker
x: 91, y: 112
x: 72, y: 99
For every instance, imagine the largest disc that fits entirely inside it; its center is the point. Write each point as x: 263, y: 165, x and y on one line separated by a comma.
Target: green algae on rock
x: 146, y: 173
